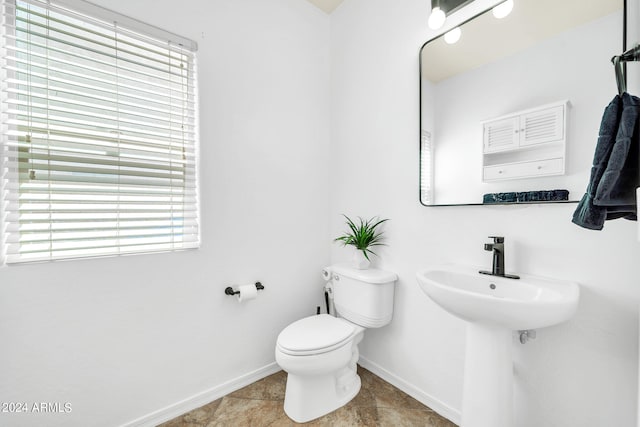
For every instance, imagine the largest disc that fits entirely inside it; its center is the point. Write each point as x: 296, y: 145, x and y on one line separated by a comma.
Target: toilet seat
x: 315, y: 335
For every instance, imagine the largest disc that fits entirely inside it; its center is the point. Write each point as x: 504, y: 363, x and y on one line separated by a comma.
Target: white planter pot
x: 359, y: 261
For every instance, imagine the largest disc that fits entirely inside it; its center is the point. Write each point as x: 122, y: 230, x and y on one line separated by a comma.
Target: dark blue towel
x: 587, y: 214
x: 526, y: 196
x: 617, y: 187
x: 500, y: 198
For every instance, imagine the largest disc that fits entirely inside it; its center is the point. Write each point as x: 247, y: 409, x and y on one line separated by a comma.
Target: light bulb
x: 503, y: 9
x: 436, y: 19
x: 453, y: 36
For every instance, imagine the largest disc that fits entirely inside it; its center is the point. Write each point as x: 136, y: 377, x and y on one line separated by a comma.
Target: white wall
x: 579, y: 374
x: 120, y: 338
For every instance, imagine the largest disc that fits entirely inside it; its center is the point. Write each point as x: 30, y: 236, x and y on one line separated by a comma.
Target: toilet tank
x: 364, y: 297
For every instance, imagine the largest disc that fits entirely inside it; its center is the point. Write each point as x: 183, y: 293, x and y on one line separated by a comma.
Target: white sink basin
x: 494, y: 307
x: 516, y: 304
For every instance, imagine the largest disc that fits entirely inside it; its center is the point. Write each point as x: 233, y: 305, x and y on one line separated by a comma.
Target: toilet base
x: 310, y: 397
x: 320, y: 383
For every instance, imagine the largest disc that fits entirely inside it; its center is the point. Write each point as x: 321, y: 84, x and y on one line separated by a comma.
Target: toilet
x: 319, y: 353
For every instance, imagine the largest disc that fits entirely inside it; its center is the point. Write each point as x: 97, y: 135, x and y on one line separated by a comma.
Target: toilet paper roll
x: 326, y: 274
x: 247, y: 292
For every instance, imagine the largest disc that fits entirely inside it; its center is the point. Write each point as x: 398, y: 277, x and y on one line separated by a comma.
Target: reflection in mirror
x: 512, y: 110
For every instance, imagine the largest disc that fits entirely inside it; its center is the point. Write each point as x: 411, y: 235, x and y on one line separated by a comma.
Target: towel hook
x: 632, y: 54
x: 620, y: 76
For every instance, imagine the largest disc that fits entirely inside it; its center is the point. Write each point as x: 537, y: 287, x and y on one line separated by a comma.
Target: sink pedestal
x: 493, y: 307
x: 487, y: 397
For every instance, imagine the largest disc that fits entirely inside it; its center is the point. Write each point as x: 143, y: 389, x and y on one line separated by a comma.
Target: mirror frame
x: 420, y: 65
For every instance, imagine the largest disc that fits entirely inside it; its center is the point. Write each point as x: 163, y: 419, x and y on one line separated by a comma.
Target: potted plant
x: 363, y: 235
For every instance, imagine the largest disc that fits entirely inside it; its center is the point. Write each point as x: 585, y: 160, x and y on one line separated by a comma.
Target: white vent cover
x: 542, y: 126
x: 500, y: 134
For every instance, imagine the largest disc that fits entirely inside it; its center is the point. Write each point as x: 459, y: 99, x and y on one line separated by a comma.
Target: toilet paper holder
x: 229, y: 290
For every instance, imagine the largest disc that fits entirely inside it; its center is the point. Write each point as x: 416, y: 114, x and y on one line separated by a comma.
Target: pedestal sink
x: 494, y: 307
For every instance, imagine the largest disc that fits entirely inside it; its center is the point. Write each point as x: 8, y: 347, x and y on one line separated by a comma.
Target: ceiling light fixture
x: 503, y: 9
x: 437, y: 17
x: 453, y: 36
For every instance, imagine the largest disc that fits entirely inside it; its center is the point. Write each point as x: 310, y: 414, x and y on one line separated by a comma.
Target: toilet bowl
x: 320, y: 353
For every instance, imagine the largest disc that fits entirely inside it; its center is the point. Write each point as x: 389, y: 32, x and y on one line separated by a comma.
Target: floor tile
x: 403, y: 417
x: 269, y: 388
x: 347, y: 417
x: 234, y: 411
x: 196, y: 418
x: 378, y: 404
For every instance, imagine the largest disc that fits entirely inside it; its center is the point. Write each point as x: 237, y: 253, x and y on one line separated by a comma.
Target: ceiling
x: 326, y: 5
x: 449, y: 6
x: 483, y: 39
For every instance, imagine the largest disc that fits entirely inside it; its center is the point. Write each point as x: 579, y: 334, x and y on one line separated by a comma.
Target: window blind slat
x: 60, y: 106
x: 78, y: 29
x: 37, y: 122
x: 128, y: 70
x: 99, y: 251
x: 178, y: 166
x: 96, y: 235
x: 69, y: 144
x: 15, y: 248
x: 87, y: 189
x: 101, y: 135
x: 39, y: 228
x: 67, y: 218
x: 125, y: 136
x: 107, y: 180
x: 99, y: 138
x: 95, y: 84
x: 96, y: 206
x: 102, y: 18
x: 42, y: 90
x: 73, y: 105
x: 83, y: 87
x: 91, y: 46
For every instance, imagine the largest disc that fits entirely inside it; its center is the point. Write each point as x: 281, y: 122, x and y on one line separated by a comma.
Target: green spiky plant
x: 362, y: 235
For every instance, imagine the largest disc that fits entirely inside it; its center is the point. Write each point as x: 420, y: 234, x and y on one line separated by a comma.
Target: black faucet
x: 497, y: 268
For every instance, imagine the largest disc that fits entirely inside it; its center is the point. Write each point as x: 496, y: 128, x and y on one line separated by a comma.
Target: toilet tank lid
x: 370, y: 275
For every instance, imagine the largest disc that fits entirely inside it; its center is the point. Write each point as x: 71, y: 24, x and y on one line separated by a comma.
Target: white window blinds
x: 426, y: 168
x: 99, y: 132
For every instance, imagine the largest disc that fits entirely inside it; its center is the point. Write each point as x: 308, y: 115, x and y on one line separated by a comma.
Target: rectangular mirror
x: 510, y: 112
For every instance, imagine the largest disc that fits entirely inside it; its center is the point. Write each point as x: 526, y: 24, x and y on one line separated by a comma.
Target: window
x: 426, y: 168
x: 99, y: 133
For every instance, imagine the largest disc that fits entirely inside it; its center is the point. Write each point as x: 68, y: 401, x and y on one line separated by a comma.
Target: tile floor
x: 260, y: 404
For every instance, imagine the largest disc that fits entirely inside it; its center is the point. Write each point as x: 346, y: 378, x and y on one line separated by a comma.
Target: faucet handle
x: 497, y: 239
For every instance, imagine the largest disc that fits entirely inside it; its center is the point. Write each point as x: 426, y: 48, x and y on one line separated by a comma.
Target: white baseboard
x: 174, y: 410
x: 438, y: 406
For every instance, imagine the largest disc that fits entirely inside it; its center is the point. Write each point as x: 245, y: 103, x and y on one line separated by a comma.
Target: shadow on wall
x: 561, y: 360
